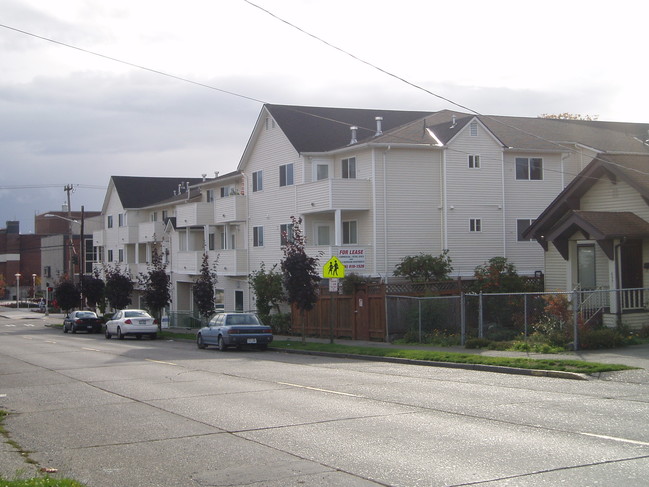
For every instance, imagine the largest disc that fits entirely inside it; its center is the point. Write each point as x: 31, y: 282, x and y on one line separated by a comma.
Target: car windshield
x: 136, y: 314
x: 242, y: 319
x: 86, y: 314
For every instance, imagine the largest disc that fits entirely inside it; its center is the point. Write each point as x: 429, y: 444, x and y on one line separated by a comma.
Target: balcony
x: 233, y: 262
x: 127, y: 235
x: 98, y: 238
x: 195, y: 214
x: 334, y: 194
x: 231, y: 209
x: 150, y: 231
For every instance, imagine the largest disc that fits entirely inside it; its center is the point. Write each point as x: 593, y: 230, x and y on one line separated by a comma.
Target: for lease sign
x: 352, y: 258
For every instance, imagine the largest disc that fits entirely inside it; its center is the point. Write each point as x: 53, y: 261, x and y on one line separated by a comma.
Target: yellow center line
x: 318, y: 389
x: 159, y: 362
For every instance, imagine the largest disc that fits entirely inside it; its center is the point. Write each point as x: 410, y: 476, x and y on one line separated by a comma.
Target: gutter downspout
x: 502, y: 204
x: 444, y: 197
x: 385, y: 212
x: 374, y: 216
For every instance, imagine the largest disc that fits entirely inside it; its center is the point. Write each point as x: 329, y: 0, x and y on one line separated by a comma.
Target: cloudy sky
x: 71, y: 117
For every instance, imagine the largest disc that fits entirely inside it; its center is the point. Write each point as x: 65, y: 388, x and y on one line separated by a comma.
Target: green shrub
x: 591, y: 339
x: 281, y: 323
x: 477, y: 343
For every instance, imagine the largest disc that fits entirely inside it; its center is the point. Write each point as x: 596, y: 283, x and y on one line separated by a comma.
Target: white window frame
x: 286, y: 175
x: 350, y: 232
x: 473, y: 129
x: 528, y: 163
x: 528, y: 222
x: 475, y: 225
x: 257, y: 181
x: 258, y: 236
x: 109, y: 221
x: 285, y: 233
x: 348, y: 166
x: 121, y: 220
x: 474, y: 161
x: 317, y: 227
x: 209, y: 195
x: 110, y: 255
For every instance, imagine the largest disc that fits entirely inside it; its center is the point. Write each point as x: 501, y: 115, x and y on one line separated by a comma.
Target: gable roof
x: 633, y: 169
x: 321, y: 129
x: 139, y: 192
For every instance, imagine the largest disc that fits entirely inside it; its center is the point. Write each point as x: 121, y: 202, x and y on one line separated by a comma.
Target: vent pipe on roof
x: 454, y: 122
x: 353, y: 128
x: 204, y: 176
x: 379, y: 130
x: 187, y: 186
x: 216, y: 174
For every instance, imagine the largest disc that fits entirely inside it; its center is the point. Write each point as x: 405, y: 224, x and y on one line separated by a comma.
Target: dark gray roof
x: 321, y: 129
x: 139, y: 192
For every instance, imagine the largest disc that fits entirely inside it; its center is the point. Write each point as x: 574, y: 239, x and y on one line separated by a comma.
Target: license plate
x: 142, y: 322
x: 252, y: 340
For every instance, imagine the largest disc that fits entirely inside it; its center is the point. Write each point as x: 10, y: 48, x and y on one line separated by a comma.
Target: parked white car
x: 136, y: 322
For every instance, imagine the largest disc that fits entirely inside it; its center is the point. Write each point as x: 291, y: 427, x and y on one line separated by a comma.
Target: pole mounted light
x: 17, y: 290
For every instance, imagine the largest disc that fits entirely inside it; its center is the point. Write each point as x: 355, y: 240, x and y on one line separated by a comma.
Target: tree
x: 570, y: 116
x: 203, y: 288
x: 300, y: 273
x: 119, y: 286
x: 156, y: 284
x: 268, y: 289
x: 425, y: 267
x: 498, y: 275
x: 93, y: 289
x: 67, y: 295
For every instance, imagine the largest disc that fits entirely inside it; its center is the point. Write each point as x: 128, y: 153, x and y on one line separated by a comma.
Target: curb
x: 556, y: 374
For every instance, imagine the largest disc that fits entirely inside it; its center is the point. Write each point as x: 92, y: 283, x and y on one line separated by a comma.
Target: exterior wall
x: 606, y: 196
x: 556, y: 271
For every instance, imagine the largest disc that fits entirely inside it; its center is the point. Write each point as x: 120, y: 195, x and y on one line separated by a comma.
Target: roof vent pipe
x: 454, y: 122
x: 379, y: 130
x: 353, y: 128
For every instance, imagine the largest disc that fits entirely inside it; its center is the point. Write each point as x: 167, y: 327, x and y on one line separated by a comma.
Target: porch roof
x: 601, y: 226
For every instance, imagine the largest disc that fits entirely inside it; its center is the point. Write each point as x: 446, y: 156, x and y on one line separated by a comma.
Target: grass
x: 44, y: 481
x: 454, y: 357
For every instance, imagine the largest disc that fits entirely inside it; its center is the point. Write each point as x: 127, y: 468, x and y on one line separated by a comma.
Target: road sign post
x: 333, y: 270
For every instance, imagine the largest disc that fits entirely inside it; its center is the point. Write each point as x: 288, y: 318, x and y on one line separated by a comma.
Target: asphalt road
x: 162, y: 413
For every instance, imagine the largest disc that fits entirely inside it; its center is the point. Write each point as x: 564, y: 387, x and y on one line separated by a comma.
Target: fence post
x: 525, y: 310
x: 480, y: 322
x: 419, y: 306
x: 575, y: 318
x: 462, y: 319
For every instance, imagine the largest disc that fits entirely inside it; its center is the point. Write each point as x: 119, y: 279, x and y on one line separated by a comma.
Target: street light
x: 33, y: 286
x: 17, y: 290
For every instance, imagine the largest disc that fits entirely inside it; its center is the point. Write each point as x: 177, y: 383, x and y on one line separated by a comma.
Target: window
x: 120, y: 219
x: 154, y: 216
x: 120, y: 254
x: 47, y: 271
x: 227, y: 191
x: 322, y: 235
x: 474, y: 161
x: 210, y: 241
x: 322, y: 171
x: 350, y: 234
x: 349, y: 168
x: 209, y: 195
x: 586, y: 266
x: 109, y: 221
x: 286, y: 233
x: 473, y: 129
x: 475, y: 225
x: 257, y: 181
x: 222, y: 241
x: 286, y: 175
x: 258, y: 236
x: 529, y: 168
x: 521, y: 226
x: 110, y: 255
x: 164, y: 216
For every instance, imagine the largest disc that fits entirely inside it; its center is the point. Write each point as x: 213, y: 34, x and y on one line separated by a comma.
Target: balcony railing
x: 334, y: 194
x: 230, y: 262
x: 191, y: 214
x: 150, y: 231
x: 127, y: 235
x: 231, y: 209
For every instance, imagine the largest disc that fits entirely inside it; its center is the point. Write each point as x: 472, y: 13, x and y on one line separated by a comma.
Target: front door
x: 631, y: 264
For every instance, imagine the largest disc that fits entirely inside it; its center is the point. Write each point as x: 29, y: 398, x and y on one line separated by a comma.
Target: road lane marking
x: 50, y: 341
x: 318, y: 389
x: 28, y: 324
x: 613, y: 438
x: 159, y: 361
x: 90, y: 349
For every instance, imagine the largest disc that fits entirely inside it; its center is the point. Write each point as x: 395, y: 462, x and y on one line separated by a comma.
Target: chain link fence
x: 555, y: 317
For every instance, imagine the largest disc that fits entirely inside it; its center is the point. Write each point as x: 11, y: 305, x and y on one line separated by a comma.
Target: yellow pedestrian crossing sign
x: 333, y: 269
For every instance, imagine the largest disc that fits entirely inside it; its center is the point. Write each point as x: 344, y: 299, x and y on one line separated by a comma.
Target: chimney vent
x: 379, y: 130
x: 353, y: 128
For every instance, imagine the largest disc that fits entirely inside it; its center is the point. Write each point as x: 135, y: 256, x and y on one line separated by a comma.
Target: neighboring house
x: 595, y: 235
x: 19, y: 254
x: 372, y: 186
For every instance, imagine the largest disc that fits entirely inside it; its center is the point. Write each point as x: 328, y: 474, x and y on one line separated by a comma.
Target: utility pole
x: 67, y: 251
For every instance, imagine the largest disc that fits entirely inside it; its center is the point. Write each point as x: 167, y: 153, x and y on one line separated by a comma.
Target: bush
x: 591, y: 339
x: 477, y: 343
x: 281, y: 323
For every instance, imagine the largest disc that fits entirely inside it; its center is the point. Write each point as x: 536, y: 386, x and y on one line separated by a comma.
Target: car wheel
x: 106, y: 334
x: 72, y: 329
x: 138, y: 336
x: 153, y: 336
x: 199, y: 342
x: 65, y: 329
x: 119, y: 334
x: 221, y: 344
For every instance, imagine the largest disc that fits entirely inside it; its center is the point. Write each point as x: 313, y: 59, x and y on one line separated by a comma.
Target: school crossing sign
x: 333, y: 269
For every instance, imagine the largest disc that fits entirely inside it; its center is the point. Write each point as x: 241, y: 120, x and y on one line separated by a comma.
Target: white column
x: 338, y: 228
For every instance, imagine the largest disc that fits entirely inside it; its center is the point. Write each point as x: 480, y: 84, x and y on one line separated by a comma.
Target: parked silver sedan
x: 235, y: 329
x: 135, y: 322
